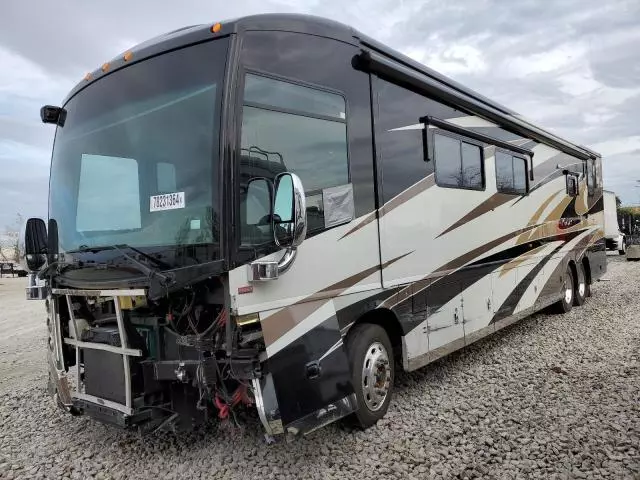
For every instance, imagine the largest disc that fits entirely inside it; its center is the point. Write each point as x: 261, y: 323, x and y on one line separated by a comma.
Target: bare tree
x: 10, y: 241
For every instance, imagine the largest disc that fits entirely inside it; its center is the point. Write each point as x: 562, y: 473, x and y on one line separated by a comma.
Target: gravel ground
x: 550, y: 397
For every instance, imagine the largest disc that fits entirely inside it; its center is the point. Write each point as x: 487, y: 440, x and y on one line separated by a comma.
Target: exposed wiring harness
x: 239, y: 396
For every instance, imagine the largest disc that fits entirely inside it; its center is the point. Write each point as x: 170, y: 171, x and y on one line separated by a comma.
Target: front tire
x: 372, y: 365
x: 565, y: 304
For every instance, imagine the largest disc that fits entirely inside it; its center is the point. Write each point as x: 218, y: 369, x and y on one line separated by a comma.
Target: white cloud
x: 25, y: 80
x: 458, y: 59
x: 553, y: 60
x: 618, y: 146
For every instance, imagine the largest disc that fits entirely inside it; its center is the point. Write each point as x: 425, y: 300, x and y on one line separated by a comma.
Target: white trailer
x: 614, y: 238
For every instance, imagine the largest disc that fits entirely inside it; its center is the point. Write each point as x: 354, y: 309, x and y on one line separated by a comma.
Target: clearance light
x: 105, y: 67
x: 216, y: 28
x: 127, y: 56
x: 88, y: 77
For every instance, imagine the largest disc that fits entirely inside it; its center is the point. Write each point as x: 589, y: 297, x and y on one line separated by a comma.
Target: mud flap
x: 308, y: 366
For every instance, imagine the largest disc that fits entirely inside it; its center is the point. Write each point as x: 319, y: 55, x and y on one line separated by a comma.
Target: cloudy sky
x: 572, y: 66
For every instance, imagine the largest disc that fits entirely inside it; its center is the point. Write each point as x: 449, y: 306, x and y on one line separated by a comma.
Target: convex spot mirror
x: 289, y: 211
x: 571, y: 183
x: 34, y: 244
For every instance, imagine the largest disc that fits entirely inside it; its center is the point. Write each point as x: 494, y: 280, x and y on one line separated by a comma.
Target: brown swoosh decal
x: 276, y: 325
x: 415, y: 189
x: 490, y: 203
x: 448, y: 267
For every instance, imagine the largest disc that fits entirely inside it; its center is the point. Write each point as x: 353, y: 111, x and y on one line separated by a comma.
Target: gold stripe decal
x: 507, y: 267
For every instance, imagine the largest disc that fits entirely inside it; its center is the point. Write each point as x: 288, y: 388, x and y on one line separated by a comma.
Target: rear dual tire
x: 567, y: 292
x: 582, y: 290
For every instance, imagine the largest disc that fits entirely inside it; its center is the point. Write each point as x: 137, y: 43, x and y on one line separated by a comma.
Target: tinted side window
x: 504, y: 172
x: 519, y: 175
x: 458, y: 163
x: 312, y: 60
x: 448, y: 161
x: 472, y: 165
x: 294, y: 128
x: 511, y: 173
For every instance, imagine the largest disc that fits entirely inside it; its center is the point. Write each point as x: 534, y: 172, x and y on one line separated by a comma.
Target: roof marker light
x: 216, y: 28
x: 105, y: 67
x: 127, y: 56
x: 88, y: 76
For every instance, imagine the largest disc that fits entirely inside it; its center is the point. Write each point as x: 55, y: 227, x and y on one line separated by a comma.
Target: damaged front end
x: 174, y: 363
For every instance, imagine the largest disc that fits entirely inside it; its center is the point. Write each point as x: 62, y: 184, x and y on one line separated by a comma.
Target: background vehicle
x: 12, y: 269
x: 614, y: 238
x: 276, y: 210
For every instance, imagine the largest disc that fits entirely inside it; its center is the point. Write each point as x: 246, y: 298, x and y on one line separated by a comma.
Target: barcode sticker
x: 166, y: 201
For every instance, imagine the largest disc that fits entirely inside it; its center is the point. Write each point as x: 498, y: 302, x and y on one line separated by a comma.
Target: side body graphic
x: 461, y: 226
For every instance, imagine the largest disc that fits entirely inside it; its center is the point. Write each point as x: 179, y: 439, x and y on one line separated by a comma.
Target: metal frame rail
x: 123, y: 350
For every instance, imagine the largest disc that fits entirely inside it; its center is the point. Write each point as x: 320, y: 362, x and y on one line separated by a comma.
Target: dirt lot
x: 22, y: 336
x: 554, y: 396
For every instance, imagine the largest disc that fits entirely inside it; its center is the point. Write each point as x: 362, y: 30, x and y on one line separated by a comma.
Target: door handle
x: 455, y: 316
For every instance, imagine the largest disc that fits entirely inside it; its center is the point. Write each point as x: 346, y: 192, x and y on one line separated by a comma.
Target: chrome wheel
x: 376, y: 376
x: 582, y: 288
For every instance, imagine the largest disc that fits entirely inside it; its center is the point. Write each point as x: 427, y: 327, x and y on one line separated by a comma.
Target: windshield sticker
x: 167, y: 201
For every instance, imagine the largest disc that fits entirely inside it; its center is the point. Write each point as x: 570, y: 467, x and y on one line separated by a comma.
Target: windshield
x: 136, y: 161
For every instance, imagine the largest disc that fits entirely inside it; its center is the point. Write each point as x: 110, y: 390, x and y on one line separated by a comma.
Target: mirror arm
x: 287, y: 260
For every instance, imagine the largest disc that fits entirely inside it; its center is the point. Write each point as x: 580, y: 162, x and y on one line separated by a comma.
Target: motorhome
x: 614, y: 238
x: 278, y: 212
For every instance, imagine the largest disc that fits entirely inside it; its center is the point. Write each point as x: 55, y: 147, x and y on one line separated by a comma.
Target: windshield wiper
x: 165, y: 280
x: 158, y: 262
x: 60, y: 266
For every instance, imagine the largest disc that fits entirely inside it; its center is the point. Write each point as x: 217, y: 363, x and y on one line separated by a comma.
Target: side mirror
x: 52, y: 114
x: 289, y: 211
x: 289, y: 225
x: 34, y: 246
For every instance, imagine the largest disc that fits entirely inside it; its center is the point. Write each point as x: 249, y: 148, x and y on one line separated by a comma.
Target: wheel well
x: 574, y: 272
x: 389, y: 321
x: 587, y: 269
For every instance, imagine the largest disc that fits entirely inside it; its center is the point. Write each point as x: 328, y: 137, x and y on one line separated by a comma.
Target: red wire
x: 223, y: 408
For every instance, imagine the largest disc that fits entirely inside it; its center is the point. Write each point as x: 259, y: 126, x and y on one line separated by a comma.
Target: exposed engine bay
x: 184, y: 360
